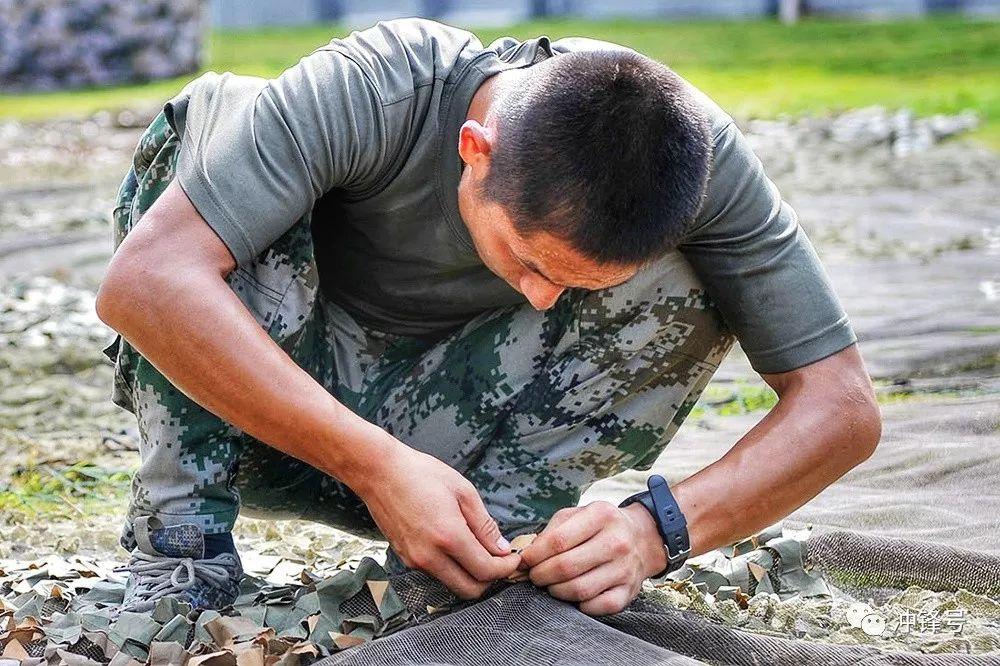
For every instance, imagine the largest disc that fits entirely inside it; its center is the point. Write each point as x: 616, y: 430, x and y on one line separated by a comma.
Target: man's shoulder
x: 395, y: 55
x: 403, y: 54
x: 418, y: 34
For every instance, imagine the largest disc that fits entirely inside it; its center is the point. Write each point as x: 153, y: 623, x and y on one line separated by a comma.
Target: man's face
x: 540, y: 266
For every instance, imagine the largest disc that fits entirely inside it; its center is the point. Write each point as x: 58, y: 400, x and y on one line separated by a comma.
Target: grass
x: 734, y: 400
x: 984, y: 330
x: 754, y: 69
x: 80, y: 488
x: 748, y: 397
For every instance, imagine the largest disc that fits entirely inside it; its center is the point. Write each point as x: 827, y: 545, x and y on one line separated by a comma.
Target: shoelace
x: 159, y: 576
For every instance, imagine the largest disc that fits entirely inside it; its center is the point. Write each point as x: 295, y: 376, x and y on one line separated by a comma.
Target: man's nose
x: 542, y: 294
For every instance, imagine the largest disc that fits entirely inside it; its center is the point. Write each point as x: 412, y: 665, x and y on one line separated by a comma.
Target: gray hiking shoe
x: 170, y: 562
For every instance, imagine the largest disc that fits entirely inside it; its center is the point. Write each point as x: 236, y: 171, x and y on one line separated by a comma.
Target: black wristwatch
x: 670, y: 522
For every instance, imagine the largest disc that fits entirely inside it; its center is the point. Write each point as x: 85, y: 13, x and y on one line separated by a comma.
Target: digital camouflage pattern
x: 531, y: 406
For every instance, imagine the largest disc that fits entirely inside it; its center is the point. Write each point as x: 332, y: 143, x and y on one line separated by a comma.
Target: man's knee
x: 662, y: 313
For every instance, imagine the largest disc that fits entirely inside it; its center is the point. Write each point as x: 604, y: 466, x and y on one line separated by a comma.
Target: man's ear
x: 475, y: 142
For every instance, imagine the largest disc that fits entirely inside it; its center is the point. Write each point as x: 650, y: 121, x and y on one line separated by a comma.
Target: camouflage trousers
x: 532, y: 407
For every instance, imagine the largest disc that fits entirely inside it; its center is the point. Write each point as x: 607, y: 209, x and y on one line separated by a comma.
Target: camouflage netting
x: 47, y: 44
x: 748, y: 604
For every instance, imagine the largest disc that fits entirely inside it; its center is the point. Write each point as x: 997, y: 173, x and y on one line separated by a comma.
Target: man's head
x: 585, y: 167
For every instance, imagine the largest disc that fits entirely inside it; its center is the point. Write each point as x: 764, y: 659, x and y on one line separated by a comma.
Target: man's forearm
x: 180, y: 314
x: 826, y: 422
x: 219, y: 356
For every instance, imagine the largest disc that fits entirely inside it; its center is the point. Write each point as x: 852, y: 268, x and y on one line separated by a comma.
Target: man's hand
x: 826, y: 422
x: 597, y: 556
x: 436, y: 522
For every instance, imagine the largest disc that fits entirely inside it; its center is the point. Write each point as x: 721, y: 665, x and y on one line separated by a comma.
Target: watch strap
x: 670, y: 522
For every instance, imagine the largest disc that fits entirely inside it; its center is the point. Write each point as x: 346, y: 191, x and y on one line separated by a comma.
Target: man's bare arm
x: 165, y: 292
x: 826, y: 422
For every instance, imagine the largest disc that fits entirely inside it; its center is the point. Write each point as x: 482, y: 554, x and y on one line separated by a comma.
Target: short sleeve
x: 256, y: 154
x: 760, y: 268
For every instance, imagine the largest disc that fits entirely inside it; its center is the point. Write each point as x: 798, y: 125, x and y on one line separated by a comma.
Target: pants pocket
x: 121, y: 388
x: 280, y: 286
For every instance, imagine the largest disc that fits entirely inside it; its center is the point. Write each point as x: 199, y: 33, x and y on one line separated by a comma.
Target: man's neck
x: 490, y: 92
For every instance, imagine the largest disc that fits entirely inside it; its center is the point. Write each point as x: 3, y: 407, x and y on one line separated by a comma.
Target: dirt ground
x: 906, y: 223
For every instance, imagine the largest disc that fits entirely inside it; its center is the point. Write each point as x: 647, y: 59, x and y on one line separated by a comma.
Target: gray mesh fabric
x: 519, y: 625
x: 522, y: 625
x: 693, y: 635
x: 871, y: 563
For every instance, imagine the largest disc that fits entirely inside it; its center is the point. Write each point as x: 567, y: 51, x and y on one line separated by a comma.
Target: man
x: 423, y: 289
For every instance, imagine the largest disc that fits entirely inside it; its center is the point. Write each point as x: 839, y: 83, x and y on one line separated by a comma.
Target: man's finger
x: 482, y: 524
x: 571, y: 564
x: 608, y: 602
x: 558, y: 538
x: 457, y: 579
x: 469, y: 546
x: 482, y: 566
x: 562, y: 515
x: 590, y: 585
x: 559, y: 517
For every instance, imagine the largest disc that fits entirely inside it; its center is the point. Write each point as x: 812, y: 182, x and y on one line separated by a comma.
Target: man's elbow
x: 861, y: 413
x: 112, y: 295
x: 172, y: 253
x: 129, y: 284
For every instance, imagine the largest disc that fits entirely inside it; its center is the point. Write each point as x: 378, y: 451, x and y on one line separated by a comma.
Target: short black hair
x: 607, y: 150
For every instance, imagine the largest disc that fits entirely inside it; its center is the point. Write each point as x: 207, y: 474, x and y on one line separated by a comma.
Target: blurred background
x: 879, y: 121
x: 759, y: 58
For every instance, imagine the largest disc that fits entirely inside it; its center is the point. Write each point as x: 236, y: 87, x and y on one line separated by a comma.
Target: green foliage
x: 735, y: 399
x: 895, y: 396
x: 754, y: 69
x: 81, y: 487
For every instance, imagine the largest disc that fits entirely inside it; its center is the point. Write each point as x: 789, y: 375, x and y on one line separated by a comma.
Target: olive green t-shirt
x: 364, y: 133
